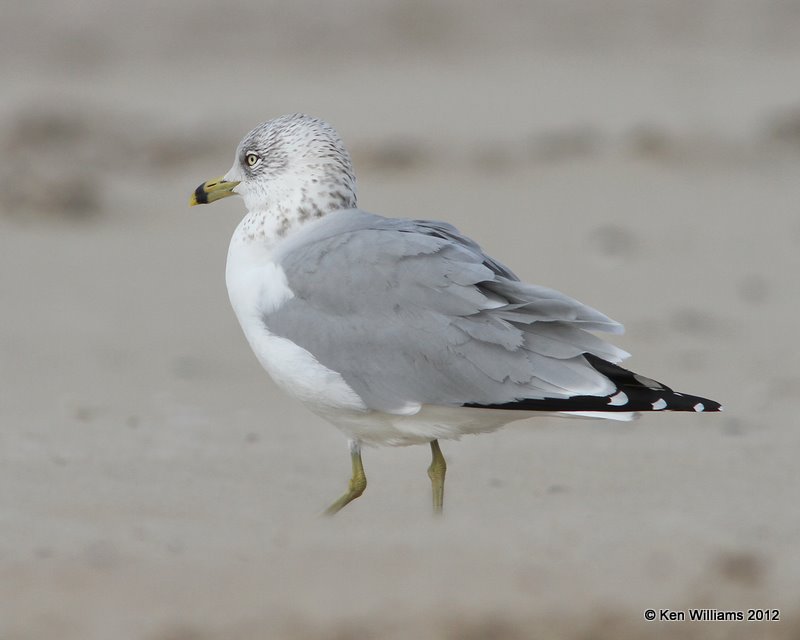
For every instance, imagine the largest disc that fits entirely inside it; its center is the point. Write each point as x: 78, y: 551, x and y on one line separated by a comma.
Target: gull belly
x: 257, y: 285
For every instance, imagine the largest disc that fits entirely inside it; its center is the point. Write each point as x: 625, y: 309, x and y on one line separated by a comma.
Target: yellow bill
x: 212, y: 191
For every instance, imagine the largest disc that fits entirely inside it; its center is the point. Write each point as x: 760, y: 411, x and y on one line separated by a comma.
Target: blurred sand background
x: 154, y: 484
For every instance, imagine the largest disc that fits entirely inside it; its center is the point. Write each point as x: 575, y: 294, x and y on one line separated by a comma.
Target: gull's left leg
x: 436, y: 473
x: 358, y: 482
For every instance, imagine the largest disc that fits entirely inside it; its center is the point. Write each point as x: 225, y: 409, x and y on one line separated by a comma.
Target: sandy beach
x: 156, y: 485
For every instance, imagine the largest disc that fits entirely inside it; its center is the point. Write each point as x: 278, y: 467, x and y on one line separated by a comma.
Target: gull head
x: 288, y: 170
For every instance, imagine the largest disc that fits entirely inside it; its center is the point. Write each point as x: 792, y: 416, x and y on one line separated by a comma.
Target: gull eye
x: 252, y: 159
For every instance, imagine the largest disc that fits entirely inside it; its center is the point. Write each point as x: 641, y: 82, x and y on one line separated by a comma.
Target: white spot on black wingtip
x: 659, y: 404
x: 699, y: 407
x: 618, y: 399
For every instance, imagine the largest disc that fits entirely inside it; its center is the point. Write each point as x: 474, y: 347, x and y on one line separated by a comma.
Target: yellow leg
x: 436, y: 473
x: 357, y: 483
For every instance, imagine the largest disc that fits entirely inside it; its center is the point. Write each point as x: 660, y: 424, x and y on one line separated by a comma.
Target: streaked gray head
x: 296, y: 167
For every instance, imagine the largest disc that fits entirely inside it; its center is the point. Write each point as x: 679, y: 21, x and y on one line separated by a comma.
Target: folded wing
x: 413, y: 313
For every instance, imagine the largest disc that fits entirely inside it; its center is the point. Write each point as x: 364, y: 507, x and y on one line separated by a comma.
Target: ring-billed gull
x: 402, y: 331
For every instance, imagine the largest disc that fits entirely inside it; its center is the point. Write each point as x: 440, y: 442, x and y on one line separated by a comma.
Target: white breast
x: 257, y: 286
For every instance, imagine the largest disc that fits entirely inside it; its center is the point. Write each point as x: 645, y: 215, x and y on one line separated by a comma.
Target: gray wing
x: 412, y: 312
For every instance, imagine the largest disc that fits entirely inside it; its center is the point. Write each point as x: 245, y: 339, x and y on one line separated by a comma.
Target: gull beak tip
x: 213, y: 190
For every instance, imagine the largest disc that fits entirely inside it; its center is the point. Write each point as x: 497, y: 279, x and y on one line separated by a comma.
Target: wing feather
x: 413, y: 312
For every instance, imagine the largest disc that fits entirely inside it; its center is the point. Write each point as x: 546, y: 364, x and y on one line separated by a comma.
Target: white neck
x: 281, y: 207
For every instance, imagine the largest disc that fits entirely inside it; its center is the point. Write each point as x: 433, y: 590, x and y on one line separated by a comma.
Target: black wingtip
x: 634, y: 393
x: 642, y: 389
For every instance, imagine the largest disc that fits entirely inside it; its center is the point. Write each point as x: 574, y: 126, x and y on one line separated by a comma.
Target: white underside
x: 257, y: 285
x: 433, y: 422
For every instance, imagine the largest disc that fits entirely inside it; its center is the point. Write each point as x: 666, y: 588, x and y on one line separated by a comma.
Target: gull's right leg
x: 358, y: 482
x: 436, y: 473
